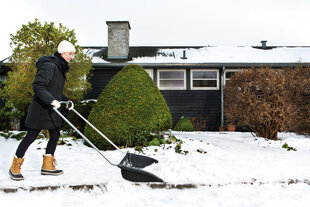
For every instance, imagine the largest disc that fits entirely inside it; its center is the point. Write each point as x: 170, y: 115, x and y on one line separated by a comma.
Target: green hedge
x: 128, y: 110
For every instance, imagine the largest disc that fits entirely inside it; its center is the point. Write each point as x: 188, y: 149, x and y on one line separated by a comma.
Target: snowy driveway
x: 223, y: 169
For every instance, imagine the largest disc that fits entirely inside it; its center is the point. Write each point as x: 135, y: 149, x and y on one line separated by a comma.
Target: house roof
x: 3, y: 69
x: 206, y: 55
x: 209, y: 56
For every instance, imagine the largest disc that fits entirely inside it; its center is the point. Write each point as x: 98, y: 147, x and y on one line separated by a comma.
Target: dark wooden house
x: 3, y: 73
x: 191, y: 79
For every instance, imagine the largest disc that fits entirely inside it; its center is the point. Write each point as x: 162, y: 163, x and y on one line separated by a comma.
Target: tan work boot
x: 14, y: 171
x: 48, y: 167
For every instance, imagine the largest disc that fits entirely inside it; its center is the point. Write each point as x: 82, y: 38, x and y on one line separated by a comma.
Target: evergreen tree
x: 28, y: 44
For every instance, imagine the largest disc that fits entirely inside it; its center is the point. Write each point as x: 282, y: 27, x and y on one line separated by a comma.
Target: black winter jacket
x: 47, y: 86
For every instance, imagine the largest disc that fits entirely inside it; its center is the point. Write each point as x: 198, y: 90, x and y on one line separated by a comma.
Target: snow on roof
x: 5, y: 60
x: 208, y: 54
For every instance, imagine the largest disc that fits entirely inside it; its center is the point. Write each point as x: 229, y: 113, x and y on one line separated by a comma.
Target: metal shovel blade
x: 131, y: 170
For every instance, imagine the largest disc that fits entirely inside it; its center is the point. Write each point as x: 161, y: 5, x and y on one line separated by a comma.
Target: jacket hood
x: 56, y: 59
x: 48, y: 58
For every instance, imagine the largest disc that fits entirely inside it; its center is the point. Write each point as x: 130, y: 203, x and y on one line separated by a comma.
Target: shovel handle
x: 82, y: 135
x: 99, y: 132
x: 65, y: 102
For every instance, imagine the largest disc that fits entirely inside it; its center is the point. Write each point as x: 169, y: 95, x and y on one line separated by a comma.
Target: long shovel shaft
x: 131, y: 172
x: 82, y: 135
x: 99, y: 132
x: 90, y: 124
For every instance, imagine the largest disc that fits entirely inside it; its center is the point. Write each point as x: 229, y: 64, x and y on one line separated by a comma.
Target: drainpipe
x: 222, y: 97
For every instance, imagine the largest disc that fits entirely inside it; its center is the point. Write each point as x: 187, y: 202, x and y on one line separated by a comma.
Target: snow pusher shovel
x: 131, y: 165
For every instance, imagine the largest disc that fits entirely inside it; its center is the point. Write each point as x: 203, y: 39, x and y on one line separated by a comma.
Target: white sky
x: 167, y: 22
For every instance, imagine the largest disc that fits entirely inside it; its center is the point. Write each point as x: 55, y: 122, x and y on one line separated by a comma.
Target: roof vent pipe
x: 184, y: 55
x: 264, y: 44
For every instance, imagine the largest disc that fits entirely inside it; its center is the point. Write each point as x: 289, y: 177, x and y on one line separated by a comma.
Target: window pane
x: 171, y: 83
x: 171, y: 74
x: 205, y: 83
x: 229, y: 74
x: 204, y: 74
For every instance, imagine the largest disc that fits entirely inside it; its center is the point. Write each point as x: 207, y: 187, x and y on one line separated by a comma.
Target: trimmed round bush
x: 183, y: 124
x: 129, y: 110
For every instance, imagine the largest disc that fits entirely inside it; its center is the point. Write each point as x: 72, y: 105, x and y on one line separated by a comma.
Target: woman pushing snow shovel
x: 48, y: 91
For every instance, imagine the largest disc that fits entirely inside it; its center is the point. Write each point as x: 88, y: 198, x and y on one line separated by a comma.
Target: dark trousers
x: 31, y: 137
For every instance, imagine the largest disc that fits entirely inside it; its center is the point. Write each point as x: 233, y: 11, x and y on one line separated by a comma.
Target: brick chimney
x: 118, y: 39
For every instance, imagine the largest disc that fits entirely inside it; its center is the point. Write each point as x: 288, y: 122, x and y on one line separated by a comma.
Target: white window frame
x: 206, y: 88
x: 150, y: 72
x: 230, y: 70
x: 171, y: 88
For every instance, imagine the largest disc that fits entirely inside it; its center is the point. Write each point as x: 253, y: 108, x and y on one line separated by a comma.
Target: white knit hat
x: 65, y: 46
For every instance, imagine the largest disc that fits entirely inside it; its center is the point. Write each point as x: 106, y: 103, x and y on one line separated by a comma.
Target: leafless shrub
x: 298, y: 91
x: 257, y: 99
x: 199, y: 123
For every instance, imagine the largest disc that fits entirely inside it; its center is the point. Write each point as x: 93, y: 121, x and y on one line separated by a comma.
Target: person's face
x: 68, y: 56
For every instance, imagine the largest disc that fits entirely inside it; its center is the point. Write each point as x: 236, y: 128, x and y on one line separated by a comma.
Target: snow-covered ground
x: 220, y: 169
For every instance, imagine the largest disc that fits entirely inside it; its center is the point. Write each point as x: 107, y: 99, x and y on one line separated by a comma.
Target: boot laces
x: 55, y: 162
x: 18, y: 166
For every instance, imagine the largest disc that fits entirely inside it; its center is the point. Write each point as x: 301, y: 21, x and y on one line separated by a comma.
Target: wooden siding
x: 191, y: 103
x: 99, y: 79
x: 203, y: 104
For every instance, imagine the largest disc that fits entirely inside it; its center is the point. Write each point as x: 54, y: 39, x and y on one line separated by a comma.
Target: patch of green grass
x: 285, y: 146
x: 18, y: 136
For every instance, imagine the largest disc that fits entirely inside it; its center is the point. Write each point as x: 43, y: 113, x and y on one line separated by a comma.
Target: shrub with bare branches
x: 256, y: 99
x: 298, y: 91
x: 199, y: 123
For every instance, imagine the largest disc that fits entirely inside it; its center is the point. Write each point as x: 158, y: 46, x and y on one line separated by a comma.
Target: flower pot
x: 221, y: 129
x: 231, y: 128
